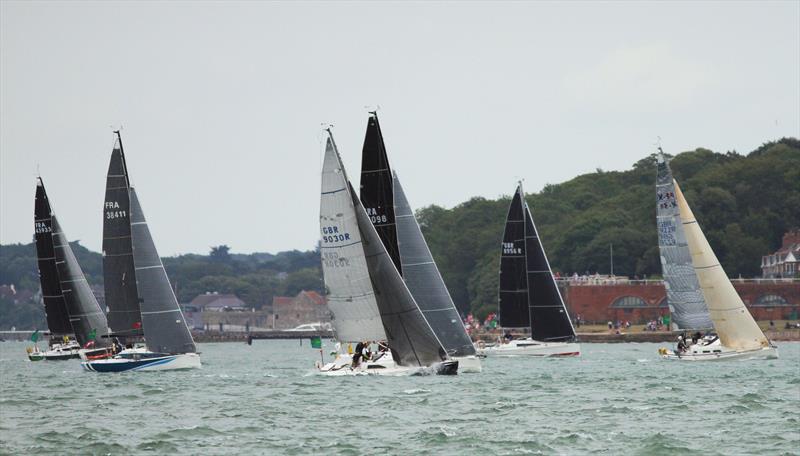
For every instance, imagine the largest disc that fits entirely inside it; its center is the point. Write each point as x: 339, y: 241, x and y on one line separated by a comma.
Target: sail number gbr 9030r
x: 113, y: 211
x: 331, y: 235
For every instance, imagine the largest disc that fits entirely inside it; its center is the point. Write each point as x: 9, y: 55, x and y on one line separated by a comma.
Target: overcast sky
x: 221, y: 104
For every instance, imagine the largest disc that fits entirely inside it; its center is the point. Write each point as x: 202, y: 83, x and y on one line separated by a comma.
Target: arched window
x: 770, y: 300
x: 628, y: 302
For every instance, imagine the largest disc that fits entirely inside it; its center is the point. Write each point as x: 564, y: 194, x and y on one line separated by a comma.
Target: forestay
x: 732, y: 321
x: 424, y: 281
x: 55, y: 308
x: 684, y: 297
x: 350, y: 297
x: 119, y: 276
x: 165, y: 329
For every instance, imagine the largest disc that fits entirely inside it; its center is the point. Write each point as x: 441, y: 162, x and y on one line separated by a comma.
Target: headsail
x: 513, y: 293
x: 549, y: 316
x: 165, y: 329
x: 732, y: 321
x: 376, y: 188
x: 122, y: 299
x: 87, y: 319
x: 55, y: 308
x: 424, y: 281
x: 684, y: 297
x: 350, y: 297
x: 411, y: 339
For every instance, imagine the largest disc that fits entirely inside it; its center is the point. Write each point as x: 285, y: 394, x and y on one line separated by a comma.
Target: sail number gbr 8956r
x: 331, y: 235
x: 113, y: 211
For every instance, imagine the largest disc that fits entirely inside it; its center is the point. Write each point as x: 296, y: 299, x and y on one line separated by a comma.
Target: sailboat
x: 168, y: 341
x: 394, y: 221
x: 738, y: 334
x: 528, y: 293
x: 687, y: 306
x: 366, y: 295
x: 70, y: 306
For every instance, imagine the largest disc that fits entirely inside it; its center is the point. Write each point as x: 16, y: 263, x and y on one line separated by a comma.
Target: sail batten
x: 684, y: 297
x: 733, y: 323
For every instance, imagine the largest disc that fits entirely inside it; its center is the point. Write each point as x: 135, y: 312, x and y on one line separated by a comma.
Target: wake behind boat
x: 739, y: 336
x: 168, y: 342
x: 528, y: 293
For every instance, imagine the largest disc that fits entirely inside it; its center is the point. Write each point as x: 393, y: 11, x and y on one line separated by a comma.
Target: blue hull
x: 120, y: 365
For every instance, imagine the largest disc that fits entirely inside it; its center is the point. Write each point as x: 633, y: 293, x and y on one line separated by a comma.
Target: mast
x: 513, y: 290
x: 350, y: 296
x: 376, y: 193
x: 424, y: 281
x: 122, y: 298
x: 735, y: 326
x: 165, y: 329
x: 550, y: 320
x: 55, y: 307
x: 685, y: 299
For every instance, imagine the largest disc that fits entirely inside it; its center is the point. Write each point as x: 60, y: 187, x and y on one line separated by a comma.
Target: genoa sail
x: 165, y: 329
x: 377, y: 188
x: 350, y: 297
x: 424, y: 281
x: 85, y: 315
x: 549, y: 317
x: 55, y: 308
x: 513, y: 294
x: 119, y: 275
x: 735, y: 326
x: 684, y: 297
x: 410, y: 337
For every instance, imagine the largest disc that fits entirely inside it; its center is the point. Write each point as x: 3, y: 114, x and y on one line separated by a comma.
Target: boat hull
x: 341, y: 366
x: 157, y: 363
x: 469, y: 364
x: 720, y: 353
x: 530, y: 347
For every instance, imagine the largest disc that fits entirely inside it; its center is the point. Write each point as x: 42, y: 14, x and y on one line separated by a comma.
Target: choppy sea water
x: 263, y: 399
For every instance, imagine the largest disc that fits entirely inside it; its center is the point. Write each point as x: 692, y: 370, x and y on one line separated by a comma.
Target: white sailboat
x: 739, y: 336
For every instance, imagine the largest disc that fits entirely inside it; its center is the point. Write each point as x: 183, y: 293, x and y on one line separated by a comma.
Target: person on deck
x: 358, y: 354
x: 681, y: 345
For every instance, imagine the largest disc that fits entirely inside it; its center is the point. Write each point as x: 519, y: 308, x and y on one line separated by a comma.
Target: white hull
x: 469, y: 364
x: 341, y: 366
x: 719, y: 353
x: 530, y: 347
x: 159, y: 363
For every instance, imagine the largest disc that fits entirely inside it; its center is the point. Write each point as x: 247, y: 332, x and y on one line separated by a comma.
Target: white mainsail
x: 351, y: 297
x: 735, y: 326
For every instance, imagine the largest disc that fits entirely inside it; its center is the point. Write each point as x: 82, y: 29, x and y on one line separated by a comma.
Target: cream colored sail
x: 733, y: 322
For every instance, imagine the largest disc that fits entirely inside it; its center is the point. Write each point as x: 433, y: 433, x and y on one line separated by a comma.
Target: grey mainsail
x: 684, y: 296
x: 424, y: 281
x: 119, y: 276
x: 165, y: 329
x: 55, y: 308
x: 410, y: 337
x: 350, y: 297
x: 85, y: 315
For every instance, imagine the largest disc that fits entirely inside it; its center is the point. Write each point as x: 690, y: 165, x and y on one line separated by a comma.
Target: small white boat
x: 383, y: 365
x: 59, y: 352
x: 739, y: 334
x: 530, y: 347
x: 143, y: 360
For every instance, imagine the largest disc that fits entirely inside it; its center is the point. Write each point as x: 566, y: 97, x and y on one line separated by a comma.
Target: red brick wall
x: 593, y: 302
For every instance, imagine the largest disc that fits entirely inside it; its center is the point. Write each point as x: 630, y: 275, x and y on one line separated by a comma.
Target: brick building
x: 306, y: 307
x: 786, y: 261
x: 641, y: 301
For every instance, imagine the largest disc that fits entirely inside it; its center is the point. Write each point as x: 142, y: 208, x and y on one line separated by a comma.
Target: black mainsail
x: 55, y: 308
x: 409, y: 335
x: 85, y: 315
x: 526, y: 280
x: 424, y: 281
x: 376, y: 188
x: 122, y: 298
x: 165, y: 329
